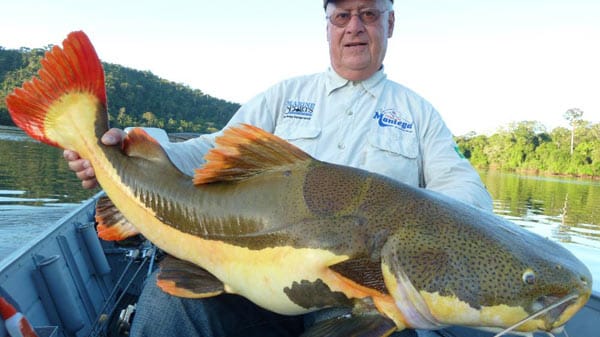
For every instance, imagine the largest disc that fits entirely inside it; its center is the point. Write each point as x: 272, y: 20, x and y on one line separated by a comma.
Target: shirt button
x: 350, y: 112
x: 341, y: 146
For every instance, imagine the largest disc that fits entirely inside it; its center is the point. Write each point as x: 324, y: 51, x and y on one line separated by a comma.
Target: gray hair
x: 389, y: 5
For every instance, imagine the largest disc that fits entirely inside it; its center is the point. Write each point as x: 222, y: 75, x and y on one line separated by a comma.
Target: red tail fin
x: 75, y: 68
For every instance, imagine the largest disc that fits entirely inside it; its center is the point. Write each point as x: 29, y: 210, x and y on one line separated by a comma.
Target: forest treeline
x: 135, y: 97
x: 143, y: 99
x: 528, y: 147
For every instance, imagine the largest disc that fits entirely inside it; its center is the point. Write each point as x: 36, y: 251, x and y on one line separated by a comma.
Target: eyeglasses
x: 367, y: 16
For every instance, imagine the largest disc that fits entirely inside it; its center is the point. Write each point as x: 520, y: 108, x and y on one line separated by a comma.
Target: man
x: 350, y: 115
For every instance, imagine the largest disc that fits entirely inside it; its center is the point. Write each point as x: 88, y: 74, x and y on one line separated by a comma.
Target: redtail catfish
x: 264, y: 220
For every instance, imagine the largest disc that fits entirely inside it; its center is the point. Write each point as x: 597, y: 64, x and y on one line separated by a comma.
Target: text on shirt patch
x: 390, y: 118
x: 299, y: 110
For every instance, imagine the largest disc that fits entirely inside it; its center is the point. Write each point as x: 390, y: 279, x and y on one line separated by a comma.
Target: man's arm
x: 445, y: 170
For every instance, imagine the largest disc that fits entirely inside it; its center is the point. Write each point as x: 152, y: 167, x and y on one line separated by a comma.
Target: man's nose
x: 355, y: 25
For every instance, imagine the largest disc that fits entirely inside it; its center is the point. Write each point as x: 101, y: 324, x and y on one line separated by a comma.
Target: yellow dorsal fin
x: 245, y: 150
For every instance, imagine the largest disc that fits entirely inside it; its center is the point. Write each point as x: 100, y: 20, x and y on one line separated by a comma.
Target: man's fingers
x: 70, y: 155
x: 113, y: 136
x: 79, y: 165
x: 89, y: 184
x: 82, y: 167
x: 85, y: 174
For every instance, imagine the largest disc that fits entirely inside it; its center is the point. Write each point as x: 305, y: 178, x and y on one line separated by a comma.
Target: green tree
x: 573, y: 116
x: 473, y: 148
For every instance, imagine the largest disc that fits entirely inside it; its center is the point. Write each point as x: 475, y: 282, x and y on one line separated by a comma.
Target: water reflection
x: 568, y: 206
x: 36, y: 189
x: 35, y: 174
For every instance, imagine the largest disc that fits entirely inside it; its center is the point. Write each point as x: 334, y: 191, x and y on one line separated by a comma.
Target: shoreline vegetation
x: 143, y: 99
x: 527, y: 147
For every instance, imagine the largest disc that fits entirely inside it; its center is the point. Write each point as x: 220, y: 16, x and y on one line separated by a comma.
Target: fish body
x: 293, y: 234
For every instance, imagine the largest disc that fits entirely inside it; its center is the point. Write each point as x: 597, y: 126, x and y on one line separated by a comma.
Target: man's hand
x: 82, y: 167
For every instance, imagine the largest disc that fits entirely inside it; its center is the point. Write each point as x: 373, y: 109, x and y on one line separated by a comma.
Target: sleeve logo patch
x: 460, y: 154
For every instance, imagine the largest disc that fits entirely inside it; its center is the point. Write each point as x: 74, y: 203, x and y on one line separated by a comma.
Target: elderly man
x: 350, y: 115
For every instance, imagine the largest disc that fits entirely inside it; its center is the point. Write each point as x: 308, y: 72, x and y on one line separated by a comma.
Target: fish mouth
x: 566, y: 308
x: 553, y: 311
x: 554, y: 307
x: 558, y: 310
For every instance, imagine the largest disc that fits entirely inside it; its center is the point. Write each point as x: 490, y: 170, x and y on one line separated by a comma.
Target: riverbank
x: 534, y: 172
x: 9, y: 128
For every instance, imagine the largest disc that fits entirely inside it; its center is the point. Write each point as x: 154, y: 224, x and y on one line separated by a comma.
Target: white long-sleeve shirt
x: 377, y: 125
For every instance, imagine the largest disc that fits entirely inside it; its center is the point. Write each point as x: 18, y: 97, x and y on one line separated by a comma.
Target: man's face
x: 357, y: 49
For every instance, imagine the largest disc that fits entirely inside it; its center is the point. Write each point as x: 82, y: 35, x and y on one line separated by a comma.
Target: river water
x: 37, y: 189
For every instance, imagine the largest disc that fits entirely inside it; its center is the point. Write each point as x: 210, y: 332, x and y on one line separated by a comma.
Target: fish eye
x: 529, y: 277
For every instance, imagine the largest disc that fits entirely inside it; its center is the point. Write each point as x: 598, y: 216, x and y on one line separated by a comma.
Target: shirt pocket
x: 304, y: 137
x: 393, y: 153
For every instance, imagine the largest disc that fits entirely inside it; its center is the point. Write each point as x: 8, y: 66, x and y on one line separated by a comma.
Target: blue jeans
x: 160, y: 314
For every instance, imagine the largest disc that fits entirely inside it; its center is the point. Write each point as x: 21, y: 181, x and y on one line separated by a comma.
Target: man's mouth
x: 355, y: 44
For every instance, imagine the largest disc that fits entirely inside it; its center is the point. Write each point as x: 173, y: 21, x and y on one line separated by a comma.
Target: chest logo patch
x: 299, y: 110
x: 391, y: 118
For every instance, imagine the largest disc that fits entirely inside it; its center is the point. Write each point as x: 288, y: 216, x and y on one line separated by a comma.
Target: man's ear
x: 391, y: 21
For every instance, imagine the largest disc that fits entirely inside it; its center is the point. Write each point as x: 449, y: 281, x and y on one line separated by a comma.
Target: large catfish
x: 264, y: 220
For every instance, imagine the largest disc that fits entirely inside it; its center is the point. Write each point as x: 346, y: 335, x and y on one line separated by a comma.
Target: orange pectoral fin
x: 363, y: 272
x: 184, y: 279
x: 362, y: 277
x: 112, y: 225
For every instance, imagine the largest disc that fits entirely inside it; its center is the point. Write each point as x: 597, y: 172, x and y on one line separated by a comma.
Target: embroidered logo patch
x: 460, y: 154
x: 391, y: 118
x: 299, y: 110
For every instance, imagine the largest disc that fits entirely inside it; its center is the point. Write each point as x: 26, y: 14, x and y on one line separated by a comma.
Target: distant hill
x: 135, y: 97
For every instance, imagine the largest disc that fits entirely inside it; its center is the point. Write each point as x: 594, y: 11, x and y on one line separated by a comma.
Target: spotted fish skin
x: 294, y: 234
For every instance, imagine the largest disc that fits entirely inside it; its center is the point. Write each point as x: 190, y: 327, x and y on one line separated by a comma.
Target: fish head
x: 555, y: 285
x: 473, y: 268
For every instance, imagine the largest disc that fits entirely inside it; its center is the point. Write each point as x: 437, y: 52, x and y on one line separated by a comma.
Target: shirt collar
x: 335, y: 81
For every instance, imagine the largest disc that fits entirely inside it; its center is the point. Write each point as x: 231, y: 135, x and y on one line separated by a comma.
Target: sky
x: 482, y: 63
